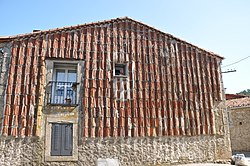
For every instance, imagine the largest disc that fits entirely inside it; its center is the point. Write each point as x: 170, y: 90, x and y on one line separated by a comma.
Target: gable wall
x: 172, y: 87
x: 173, y: 91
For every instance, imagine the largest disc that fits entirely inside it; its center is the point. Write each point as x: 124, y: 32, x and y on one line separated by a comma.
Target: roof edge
x: 181, y: 40
x: 7, y: 38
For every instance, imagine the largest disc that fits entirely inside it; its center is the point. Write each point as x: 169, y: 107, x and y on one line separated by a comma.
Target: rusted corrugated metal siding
x: 171, y: 88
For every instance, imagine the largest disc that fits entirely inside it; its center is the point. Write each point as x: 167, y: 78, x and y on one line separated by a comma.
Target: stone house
x: 239, y: 111
x: 117, y: 89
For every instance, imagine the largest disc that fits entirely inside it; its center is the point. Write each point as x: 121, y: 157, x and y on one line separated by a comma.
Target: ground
x: 247, y: 154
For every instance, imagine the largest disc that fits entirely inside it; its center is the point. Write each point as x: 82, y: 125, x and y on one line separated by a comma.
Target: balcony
x: 61, y: 93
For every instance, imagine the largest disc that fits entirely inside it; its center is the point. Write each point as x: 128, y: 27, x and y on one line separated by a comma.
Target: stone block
x: 107, y: 162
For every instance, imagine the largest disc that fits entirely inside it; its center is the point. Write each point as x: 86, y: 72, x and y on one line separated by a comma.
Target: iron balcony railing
x: 61, y: 93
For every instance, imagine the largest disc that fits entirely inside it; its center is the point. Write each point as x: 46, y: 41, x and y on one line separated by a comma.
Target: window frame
x: 121, y: 65
x: 66, y: 67
x: 60, y: 113
x: 51, y: 66
x: 48, y: 138
x: 64, y: 131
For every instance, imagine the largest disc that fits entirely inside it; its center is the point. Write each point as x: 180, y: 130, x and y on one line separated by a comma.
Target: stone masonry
x: 240, y: 129
x: 5, y: 56
x: 129, y: 151
x: 239, y: 115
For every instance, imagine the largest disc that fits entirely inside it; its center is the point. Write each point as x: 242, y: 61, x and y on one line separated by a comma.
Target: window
x: 120, y: 70
x: 62, y: 139
x: 63, y: 79
x: 64, y: 84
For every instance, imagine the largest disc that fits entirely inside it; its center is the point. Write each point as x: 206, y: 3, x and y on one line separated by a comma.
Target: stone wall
x: 150, y: 151
x: 4, y: 70
x: 130, y: 151
x: 240, y: 129
x: 20, y: 151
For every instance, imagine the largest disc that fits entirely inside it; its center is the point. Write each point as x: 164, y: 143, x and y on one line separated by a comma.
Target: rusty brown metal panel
x: 10, y: 91
x: 62, y: 45
x: 152, y: 98
x: 144, y: 90
x: 211, y: 112
x: 75, y: 51
x: 139, y: 62
x: 126, y: 85
x: 179, y: 89
x: 68, y: 45
x: 106, y: 82
x: 214, y: 82
x: 149, y: 112
x: 164, y: 89
x: 160, y: 87
x: 184, y: 94
x: 195, y: 91
x: 16, y: 80
x: 26, y: 89
x: 171, y: 89
x: 190, y: 90
x: 87, y: 84
x: 208, y: 91
x: 175, y: 91
x: 218, y: 79
x: 136, y: 103
x: 50, y: 45
x: 119, y: 82
x: 94, y: 78
x: 32, y: 82
x: 99, y: 76
x: 113, y: 58
x: 204, y: 99
x: 81, y: 44
x: 158, y: 120
x: 55, y: 45
x: 200, y: 92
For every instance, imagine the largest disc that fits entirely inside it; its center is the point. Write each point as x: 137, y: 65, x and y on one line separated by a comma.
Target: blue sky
x: 220, y: 26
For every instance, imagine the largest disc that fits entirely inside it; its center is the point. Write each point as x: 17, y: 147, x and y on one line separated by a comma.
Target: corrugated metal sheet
x: 171, y: 88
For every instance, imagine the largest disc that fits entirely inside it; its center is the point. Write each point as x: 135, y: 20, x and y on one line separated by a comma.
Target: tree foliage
x: 244, y: 92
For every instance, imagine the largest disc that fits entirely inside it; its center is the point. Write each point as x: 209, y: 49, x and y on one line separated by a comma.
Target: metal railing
x: 61, y: 93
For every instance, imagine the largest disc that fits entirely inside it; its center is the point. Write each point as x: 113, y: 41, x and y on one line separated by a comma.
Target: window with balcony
x: 63, y: 88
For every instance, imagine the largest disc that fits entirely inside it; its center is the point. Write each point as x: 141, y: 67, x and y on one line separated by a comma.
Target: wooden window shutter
x: 56, y: 140
x: 67, y: 140
x: 62, y: 139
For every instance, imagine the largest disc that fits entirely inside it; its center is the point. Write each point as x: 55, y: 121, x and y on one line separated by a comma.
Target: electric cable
x: 235, y: 62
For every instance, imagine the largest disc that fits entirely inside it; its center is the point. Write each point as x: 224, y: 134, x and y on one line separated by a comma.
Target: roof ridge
x: 65, y: 27
x: 104, y: 22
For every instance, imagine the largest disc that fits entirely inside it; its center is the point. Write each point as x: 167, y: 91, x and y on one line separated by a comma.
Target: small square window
x: 120, y: 70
